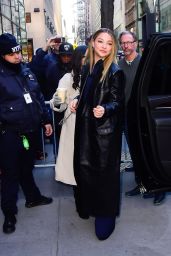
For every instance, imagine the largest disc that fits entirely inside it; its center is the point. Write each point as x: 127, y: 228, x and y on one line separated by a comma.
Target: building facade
x: 95, y: 15
x: 82, y: 21
x: 119, y: 16
x: 42, y: 22
x: 163, y: 8
x: 12, y: 20
x: 130, y: 15
x: 152, y: 16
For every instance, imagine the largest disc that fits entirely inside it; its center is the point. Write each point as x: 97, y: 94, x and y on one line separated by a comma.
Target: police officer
x: 22, y: 110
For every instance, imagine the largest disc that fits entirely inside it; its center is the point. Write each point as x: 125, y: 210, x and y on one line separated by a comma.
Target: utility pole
x: 107, y: 11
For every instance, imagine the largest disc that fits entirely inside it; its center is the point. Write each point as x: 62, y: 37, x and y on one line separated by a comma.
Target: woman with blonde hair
x: 98, y: 129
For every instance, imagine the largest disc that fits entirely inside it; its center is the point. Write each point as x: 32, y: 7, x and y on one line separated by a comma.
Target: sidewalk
x: 55, y: 230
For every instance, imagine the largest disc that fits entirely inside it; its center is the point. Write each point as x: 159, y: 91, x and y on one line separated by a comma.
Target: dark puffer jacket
x: 15, y: 113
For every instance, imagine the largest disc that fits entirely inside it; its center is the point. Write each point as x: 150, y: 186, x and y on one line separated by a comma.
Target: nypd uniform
x: 22, y: 110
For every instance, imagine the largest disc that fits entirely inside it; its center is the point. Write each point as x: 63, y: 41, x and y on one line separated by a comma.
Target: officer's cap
x: 8, y: 44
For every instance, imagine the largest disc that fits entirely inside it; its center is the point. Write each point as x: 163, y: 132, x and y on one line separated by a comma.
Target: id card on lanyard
x: 27, y: 98
x: 22, y: 82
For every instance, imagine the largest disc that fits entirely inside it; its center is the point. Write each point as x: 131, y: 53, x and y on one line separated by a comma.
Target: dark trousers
x: 128, y: 135
x: 17, y: 164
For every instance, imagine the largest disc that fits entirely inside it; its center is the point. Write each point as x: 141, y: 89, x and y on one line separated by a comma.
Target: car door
x: 149, y: 115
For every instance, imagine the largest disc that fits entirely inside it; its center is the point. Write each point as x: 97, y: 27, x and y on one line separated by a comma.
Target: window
x: 28, y: 17
x: 161, y: 69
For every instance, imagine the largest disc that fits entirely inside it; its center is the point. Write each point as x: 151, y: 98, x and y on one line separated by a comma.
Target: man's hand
x: 48, y: 129
x: 52, y: 43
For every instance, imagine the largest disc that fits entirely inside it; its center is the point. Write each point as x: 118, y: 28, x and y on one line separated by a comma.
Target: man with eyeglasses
x: 130, y: 62
x: 129, y: 65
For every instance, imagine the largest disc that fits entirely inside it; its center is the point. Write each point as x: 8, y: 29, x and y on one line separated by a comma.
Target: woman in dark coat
x: 98, y: 130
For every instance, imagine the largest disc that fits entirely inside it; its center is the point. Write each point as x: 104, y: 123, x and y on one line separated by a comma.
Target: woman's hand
x: 73, y: 105
x: 48, y: 129
x: 98, y: 111
x: 56, y: 100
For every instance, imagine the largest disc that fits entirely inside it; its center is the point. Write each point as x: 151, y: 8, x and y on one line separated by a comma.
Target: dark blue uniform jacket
x: 15, y: 113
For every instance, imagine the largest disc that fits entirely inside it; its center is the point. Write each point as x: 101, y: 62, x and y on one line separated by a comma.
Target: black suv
x: 149, y: 115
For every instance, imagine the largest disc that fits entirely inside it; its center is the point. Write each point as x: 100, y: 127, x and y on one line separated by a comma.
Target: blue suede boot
x: 104, y: 226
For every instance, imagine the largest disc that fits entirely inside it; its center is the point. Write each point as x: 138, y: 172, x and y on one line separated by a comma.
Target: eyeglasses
x: 126, y: 43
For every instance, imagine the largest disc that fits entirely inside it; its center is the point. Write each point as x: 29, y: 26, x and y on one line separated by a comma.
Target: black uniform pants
x: 17, y: 164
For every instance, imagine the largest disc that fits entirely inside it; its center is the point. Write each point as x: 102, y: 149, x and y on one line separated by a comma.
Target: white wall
x: 95, y: 15
x: 119, y: 16
x: 37, y: 30
x: 57, y: 16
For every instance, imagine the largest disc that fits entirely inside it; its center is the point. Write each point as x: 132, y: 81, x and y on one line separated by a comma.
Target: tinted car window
x: 160, y: 83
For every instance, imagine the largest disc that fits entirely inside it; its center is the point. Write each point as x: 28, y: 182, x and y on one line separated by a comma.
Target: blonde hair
x: 109, y: 59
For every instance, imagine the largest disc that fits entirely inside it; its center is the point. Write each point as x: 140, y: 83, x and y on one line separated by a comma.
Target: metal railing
x: 49, y: 145
x: 126, y: 161
x: 51, y: 148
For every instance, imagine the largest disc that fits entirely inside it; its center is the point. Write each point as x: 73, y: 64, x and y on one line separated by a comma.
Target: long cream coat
x: 64, y: 163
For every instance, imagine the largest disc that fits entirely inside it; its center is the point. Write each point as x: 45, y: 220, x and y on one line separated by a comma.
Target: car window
x: 160, y: 79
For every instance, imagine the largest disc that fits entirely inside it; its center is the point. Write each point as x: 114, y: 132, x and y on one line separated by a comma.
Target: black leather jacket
x: 97, y: 145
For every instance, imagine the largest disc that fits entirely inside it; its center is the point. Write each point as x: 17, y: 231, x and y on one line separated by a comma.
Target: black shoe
x: 43, y: 201
x: 104, y: 227
x: 83, y: 216
x: 159, y: 198
x: 147, y: 195
x: 9, y: 224
x: 133, y: 192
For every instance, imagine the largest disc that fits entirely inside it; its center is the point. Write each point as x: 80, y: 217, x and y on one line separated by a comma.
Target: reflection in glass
x: 22, y: 16
x: 0, y: 28
x: 7, y: 26
x: 5, y: 8
x: 13, y: 20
